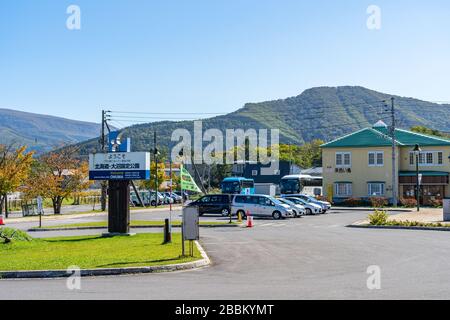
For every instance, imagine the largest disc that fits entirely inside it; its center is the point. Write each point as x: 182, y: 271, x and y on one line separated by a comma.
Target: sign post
x: 190, y: 228
x: 40, y: 208
x: 119, y: 168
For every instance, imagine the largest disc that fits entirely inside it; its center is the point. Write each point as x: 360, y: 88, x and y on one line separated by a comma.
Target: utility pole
x: 394, y: 171
x: 103, y: 148
x: 155, y: 152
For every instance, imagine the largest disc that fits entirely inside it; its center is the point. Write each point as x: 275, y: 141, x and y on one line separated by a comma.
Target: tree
x: 150, y: 184
x: 58, y: 175
x: 428, y: 131
x: 14, y: 169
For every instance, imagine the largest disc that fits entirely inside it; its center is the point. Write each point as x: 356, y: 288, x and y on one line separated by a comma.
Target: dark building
x: 253, y: 171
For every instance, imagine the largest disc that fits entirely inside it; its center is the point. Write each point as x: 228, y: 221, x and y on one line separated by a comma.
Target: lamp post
x: 417, y: 151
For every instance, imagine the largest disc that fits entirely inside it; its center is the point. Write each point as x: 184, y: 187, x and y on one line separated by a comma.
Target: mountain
x: 41, y: 132
x: 318, y: 113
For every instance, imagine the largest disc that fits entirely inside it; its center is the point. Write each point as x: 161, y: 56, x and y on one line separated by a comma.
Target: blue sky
x: 214, y: 56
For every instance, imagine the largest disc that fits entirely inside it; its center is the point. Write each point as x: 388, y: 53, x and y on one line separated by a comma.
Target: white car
x: 326, y: 206
x: 311, y: 208
x: 298, y: 209
x: 260, y: 205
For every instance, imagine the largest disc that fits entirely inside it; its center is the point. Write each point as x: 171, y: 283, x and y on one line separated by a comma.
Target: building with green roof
x: 359, y: 165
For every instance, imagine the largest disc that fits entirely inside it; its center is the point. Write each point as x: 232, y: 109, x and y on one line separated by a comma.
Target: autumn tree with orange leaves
x: 15, y: 166
x: 57, y: 176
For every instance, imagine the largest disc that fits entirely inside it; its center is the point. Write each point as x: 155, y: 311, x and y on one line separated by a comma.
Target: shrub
x: 378, y: 202
x: 436, y: 203
x: 10, y: 234
x: 353, y: 202
x: 408, y: 202
x: 378, y: 218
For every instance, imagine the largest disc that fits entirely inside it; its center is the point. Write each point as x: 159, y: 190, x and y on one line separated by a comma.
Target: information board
x: 119, y: 166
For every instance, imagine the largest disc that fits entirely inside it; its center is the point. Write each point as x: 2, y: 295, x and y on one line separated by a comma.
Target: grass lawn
x: 133, y: 223
x: 92, y: 252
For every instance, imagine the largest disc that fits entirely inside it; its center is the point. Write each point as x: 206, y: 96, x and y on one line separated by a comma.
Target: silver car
x: 260, y: 206
x: 298, y: 209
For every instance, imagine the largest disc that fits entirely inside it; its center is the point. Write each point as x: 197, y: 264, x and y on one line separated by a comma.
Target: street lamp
x: 417, y: 151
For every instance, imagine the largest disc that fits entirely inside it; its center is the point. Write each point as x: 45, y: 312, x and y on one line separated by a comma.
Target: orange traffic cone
x: 2, y: 221
x: 249, y: 220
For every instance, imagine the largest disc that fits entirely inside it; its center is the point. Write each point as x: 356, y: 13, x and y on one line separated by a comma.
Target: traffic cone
x: 2, y: 220
x: 249, y: 220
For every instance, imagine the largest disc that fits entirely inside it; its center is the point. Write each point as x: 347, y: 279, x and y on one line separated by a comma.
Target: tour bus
x: 238, y: 185
x: 301, y: 184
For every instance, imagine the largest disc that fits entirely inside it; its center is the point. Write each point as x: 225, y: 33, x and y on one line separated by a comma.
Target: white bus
x: 301, y: 184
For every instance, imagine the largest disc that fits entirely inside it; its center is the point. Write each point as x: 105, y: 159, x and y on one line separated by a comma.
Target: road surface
x: 315, y: 257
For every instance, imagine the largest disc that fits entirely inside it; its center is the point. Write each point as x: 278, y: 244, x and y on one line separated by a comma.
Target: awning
x: 424, y: 173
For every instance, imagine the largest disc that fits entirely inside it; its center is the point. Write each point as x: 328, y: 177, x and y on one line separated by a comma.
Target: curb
x: 53, y: 217
x: 205, y: 261
x: 132, y: 227
x: 371, y: 209
x: 362, y: 226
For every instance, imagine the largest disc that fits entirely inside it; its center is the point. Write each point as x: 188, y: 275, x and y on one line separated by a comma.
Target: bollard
x: 239, y: 217
x: 167, y: 234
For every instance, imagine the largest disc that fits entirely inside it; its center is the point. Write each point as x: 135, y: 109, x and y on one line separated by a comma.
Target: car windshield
x: 288, y: 202
x: 298, y: 200
x: 276, y: 201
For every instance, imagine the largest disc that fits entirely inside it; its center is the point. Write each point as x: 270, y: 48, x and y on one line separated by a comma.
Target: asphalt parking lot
x: 314, y: 257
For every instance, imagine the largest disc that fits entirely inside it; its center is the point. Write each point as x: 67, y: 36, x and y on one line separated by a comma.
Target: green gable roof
x: 378, y: 136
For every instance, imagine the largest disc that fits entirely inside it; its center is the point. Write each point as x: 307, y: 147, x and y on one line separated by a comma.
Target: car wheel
x: 153, y: 203
x: 243, y: 215
x: 225, y: 212
x: 296, y: 215
x: 276, y: 215
x: 308, y: 211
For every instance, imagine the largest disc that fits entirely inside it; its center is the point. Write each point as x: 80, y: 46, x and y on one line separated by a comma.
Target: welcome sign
x: 119, y: 166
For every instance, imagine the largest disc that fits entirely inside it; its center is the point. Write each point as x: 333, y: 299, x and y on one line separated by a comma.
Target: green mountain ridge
x: 318, y: 113
x: 43, y: 132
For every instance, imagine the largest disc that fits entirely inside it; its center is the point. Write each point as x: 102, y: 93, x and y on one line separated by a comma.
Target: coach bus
x: 238, y: 185
x: 301, y: 184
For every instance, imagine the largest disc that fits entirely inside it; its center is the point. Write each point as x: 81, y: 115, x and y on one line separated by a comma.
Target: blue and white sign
x: 119, y: 166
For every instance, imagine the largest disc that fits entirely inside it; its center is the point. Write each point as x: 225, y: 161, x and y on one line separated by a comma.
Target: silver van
x: 260, y: 206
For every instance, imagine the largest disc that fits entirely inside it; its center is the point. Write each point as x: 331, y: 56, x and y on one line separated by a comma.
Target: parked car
x: 310, y: 199
x: 298, y: 209
x: 260, y: 206
x: 213, y: 203
x: 311, y: 208
x: 176, y: 198
x: 184, y: 195
x: 147, y: 197
x: 166, y: 199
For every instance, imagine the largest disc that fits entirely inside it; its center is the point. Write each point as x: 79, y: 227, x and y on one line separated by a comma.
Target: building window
x: 343, y: 189
x: 427, y: 158
x: 376, y: 189
x: 376, y: 158
x: 343, y: 159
